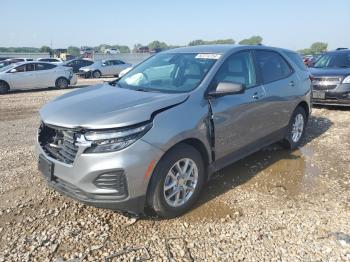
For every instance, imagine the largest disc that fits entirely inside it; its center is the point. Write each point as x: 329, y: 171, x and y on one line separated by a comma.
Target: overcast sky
x: 290, y: 24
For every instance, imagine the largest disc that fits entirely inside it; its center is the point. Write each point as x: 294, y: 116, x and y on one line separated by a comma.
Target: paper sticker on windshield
x: 208, y: 56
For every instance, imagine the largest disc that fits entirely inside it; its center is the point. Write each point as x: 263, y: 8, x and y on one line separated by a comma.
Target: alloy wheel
x: 298, y: 127
x: 180, y: 182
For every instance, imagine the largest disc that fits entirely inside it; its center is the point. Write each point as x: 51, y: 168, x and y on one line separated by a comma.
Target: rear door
x: 238, y: 124
x: 45, y: 74
x: 280, y: 83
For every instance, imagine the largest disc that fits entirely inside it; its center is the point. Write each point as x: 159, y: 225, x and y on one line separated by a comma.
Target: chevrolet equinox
x: 154, y: 136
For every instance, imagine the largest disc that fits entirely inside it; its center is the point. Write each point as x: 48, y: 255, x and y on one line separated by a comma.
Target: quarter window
x: 239, y: 68
x: 272, y: 66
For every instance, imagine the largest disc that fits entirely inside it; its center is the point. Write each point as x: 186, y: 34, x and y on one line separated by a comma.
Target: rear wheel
x: 62, y: 83
x: 296, y: 128
x: 4, y: 87
x: 96, y: 74
x: 176, y: 182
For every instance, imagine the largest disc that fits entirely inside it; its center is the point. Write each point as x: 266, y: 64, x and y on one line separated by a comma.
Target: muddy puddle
x: 272, y: 170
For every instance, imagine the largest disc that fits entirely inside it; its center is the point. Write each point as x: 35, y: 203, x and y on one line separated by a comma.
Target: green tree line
x: 315, y: 48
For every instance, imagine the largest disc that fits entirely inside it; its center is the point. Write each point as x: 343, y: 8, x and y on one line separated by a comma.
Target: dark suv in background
x: 331, y: 78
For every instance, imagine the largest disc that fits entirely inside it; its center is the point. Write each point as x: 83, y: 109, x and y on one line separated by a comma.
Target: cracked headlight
x: 114, y: 140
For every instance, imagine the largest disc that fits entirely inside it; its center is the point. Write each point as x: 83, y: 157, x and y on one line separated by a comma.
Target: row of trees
x: 315, y: 48
x: 254, y: 40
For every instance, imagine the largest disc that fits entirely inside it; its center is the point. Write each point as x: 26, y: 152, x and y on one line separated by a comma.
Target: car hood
x: 330, y: 71
x: 106, y: 106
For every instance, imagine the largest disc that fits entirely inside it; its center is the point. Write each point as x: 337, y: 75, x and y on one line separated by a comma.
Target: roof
x: 219, y: 49
x: 203, y: 49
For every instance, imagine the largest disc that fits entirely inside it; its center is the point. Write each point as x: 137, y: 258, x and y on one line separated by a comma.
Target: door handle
x: 291, y: 83
x: 256, y: 96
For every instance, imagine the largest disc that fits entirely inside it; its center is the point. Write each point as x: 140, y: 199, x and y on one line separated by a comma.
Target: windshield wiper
x: 146, y: 90
x: 114, y: 83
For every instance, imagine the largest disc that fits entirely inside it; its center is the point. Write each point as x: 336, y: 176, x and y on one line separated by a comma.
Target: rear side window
x: 42, y: 66
x: 296, y: 58
x: 272, y: 66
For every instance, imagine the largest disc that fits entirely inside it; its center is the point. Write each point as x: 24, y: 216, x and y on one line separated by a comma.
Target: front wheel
x: 176, y: 182
x: 296, y: 128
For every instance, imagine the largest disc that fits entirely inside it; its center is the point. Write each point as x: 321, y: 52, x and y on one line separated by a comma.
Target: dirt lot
x: 272, y: 206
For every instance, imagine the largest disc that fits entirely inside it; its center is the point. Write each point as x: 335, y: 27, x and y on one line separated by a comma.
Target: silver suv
x: 154, y: 137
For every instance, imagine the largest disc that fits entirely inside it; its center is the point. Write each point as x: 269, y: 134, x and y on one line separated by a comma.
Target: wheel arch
x: 196, y: 144
x: 304, y: 106
x: 4, y: 81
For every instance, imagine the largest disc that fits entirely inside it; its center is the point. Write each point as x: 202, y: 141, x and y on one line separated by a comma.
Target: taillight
x: 312, y: 78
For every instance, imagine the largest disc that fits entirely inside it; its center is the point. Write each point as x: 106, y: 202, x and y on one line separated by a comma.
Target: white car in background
x: 111, y: 67
x: 56, y: 61
x: 111, y: 51
x: 29, y: 75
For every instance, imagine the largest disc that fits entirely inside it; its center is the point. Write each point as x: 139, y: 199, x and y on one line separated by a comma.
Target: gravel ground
x: 272, y: 206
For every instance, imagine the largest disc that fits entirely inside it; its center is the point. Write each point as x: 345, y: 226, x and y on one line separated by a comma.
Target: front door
x: 22, y: 78
x: 237, y: 118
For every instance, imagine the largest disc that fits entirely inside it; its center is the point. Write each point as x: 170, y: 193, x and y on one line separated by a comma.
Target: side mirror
x: 14, y: 70
x: 227, y: 88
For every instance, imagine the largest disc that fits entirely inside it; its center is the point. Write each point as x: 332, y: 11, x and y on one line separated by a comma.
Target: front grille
x: 325, y: 83
x: 58, y: 143
x: 113, y: 180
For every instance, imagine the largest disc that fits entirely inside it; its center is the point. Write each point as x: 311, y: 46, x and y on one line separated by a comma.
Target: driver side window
x: 238, y: 68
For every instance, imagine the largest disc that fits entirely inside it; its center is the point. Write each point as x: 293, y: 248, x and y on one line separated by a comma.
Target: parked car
x: 331, y: 78
x: 154, y: 137
x: 111, y: 51
x: 76, y: 64
x: 104, y: 68
x: 4, y: 58
x: 18, y: 60
x: 10, y: 61
x: 56, y: 61
x: 29, y: 75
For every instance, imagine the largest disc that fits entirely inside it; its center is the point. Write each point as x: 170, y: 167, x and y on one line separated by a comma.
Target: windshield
x: 169, y: 72
x: 334, y: 60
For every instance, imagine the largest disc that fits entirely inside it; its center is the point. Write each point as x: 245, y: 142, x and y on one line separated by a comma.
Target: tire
x: 4, y: 87
x: 62, y: 83
x: 296, y: 129
x: 156, y: 196
x: 96, y: 74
